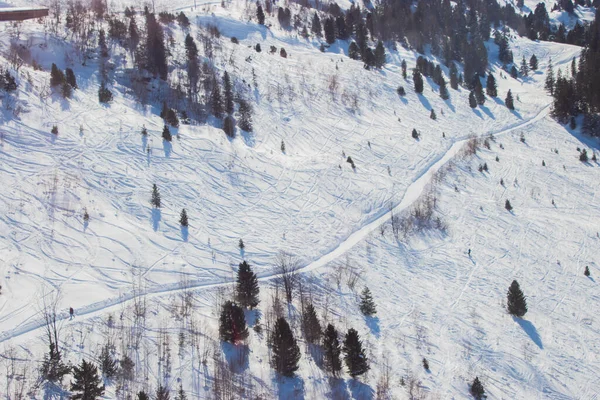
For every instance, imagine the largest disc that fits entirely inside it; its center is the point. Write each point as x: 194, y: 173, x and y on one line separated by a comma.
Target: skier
x: 71, y: 312
x: 469, y: 252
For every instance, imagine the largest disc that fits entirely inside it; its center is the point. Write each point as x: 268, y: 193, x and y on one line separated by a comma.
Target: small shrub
x: 401, y: 91
x: 283, y: 53
x: 587, y: 271
x: 425, y: 364
x: 257, y: 48
x: 104, y: 95
x: 507, y: 205
x: 54, y: 130
x: 351, y: 162
x: 415, y: 134
x: 432, y: 115
x: 235, y: 40
x: 583, y: 156
x: 166, y: 134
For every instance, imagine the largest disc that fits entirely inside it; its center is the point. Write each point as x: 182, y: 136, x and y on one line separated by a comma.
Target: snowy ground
x: 434, y: 301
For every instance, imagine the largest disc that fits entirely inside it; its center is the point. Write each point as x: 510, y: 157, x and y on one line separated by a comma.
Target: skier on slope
x: 71, y: 312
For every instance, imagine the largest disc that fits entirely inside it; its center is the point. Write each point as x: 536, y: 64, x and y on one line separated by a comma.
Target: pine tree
x: 432, y: 115
x: 354, y: 355
x: 418, y: 81
x: 311, y: 325
x: 162, y: 393
x: 181, y: 393
x: 533, y: 63
x: 510, y: 103
x: 57, y: 77
x: 332, y: 350
x: 515, y: 300
x: 245, y: 119
x: 415, y: 134
x: 247, y: 288
x: 379, y: 55
x: 524, y: 67
x: 507, y: 205
x: 87, y: 384
x: 316, y: 25
x: 282, y: 146
x: 286, y: 352
x: 587, y: 271
x: 66, y: 90
x: 107, y: 364
x: 228, y: 93
x: 472, y: 100
x: 444, y: 94
x: 453, y: 76
x: 53, y: 369
x: 514, y: 73
x: 144, y: 130
x: 216, y: 100
x: 367, y: 305
x: 353, y: 51
x: 155, y: 196
x: 330, y: 30
x: 478, y: 90
x: 241, y: 244
x: 70, y: 78
x: 183, y: 218
x: 477, y: 390
x: 232, y: 323
x: 549, y: 83
x: 260, y: 15
x: 425, y: 364
x: 403, y: 65
x: 490, y: 87
x: 229, y: 126
x: 142, y: 396
x: 104, y: 94
x: 166, y: 134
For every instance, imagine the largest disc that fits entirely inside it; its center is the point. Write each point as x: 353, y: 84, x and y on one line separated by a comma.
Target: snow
x: 433, y: 301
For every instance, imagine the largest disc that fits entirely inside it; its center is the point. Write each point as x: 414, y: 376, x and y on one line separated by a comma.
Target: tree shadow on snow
x: 529, y: 328
x: 236, y: 356
x: 487, y: 112
x: 316, y: 352
x: 373, y: 324
x: 53, y: 392
x: 338, y: 389
x: 291, y: 388
x: 450, y: 105
x: 168, y: 148
x: 144, y: 142
x: 248, y: 138
x: 185, y: 233
x: 516, y: 114
x: 476, y: 112
x: 424, y: 102
x: 156, y: 217
x: 361, y: 391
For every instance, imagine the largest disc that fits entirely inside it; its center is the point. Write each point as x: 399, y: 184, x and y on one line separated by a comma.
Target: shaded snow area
x: 153, y: 290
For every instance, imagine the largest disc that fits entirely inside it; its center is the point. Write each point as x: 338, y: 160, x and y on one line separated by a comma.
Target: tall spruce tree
x: 311, y: 324
x: 181, y: 393
x: 87, y: 384
x: 453, y: 76
x: 245, y: 118
x: 515, y: 300
x: 472, y: 100
x: 332, y: 350
x: 183, y: 218
x: 367, y: 304
x: 216, y: 100
x: 316, y: 25
x: 166, y: 134
x: 286, y: 352
x: 477, y: 390
x: 509, y: 101
x: 478, y: 90
x: 57, y: 77
x: 490, y: 88
x: 260, y: 15
x: 162, y: 393
x: 142, y: 396
x: 107, y: 364
x: 354, y: 354
x: 155, y: 196
x: 70, y: 78
x: 330, y: 30
x: 353, y: 51
x: 403, y: 66
x: 533, y: 63
x: 247, y: 288
x: 524, y: 70
x: 549, y: 82
x: 228, y: 92
x: 418, y: 81
x: 444, y: 94
x: 379, y: 55
x: 232, y: 323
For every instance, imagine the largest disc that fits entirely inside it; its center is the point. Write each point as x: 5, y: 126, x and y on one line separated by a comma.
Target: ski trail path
x: 413, y: 192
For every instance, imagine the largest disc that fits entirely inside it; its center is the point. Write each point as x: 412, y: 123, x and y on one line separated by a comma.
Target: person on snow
x: 71, y: 312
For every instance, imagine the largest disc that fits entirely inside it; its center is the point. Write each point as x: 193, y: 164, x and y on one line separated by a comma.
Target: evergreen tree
x: 379, y: 55
x: 286, y: 352
x: 229, y: 126
x: 587, y: 271
x: 533, y: 63
x: 353, y: 51
x: 162, y: 393
x: 156, y: 52
x: 368, y: 58
x: 57, y: 77
x: 241, y: 244
x: 183, y: 218
x: 524, y: 67
x: 216, y: 100
x: 415, y: 134
x: 166, y: 134
x: 87, y: 384
x: 514, y: 73
x: 245, y: 119
x: 472, y: 100
x: 316, y: 25
x: 70, y: 78
x: 104, y: 94
x: 260, y: 15
x: 247, y: 288
x: 418, y: 81
x: 403, y: 66
x: 311, y: 325
x: 155, y: 196
x: 107, y: 364
x: 142, y: 396
x: 53, y: 369
x: 181, y: 393
x: 507, y: 205
x: 228, y: 93
x: 330, y: 30
x: 66, y: 90
x: 478, y: 90
x: 444, y: 94
x: 510, y: 104
x: 367, y: 305
x: 355, y: 358
x: 232, y: 323
x: 332, y: 350
x: 477, y: 390
x: 453, y: 76
x: 341, y: 28
x: 490, y: 88
x: 515, y: 300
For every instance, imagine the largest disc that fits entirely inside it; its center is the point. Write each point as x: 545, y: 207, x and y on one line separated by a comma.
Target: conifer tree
x: 524, y: 67
x: 432, y: 115
x: 216, y: 100
x: 260, y: 15
x: 107, y: 364
x: 353, y: 51
x: 316, y: 25
x: 418, y: 81
x: 354, y: 354
x: 70, y: 78
x: 490, y: 88
x: 181, y: 393
x: 166, y: 134
x: 472, y: 100
x: 515, y: 300
x: 415, y: 134
x: 247, y: 288
x: 478, y: 90
x: 509, y: 101
x: 183, y: 218
x: 367, y: 305
x: 229, y: 126
x: 245, y: 119
x: 477, y: 390
x: 507, y: 205
x: 533, y: 63
x: 453, y: 76
x: 332, y: 350
x: 311, y: 325
x: 228, y: 93
x: 286, y: 352
x: 379, y: 55
x: 155, y: 196
x: 53, y: 369
x: 142, y: 396
x: 162, y: 393
x: 587, y: 271
x: 514, y: 73
x: 403, y: 65
x: 232, y: 323
x: 549, y: 82
x: 330, y: 30
x: 57, y: 77
x: 87, y: 384
x: 444, y: 94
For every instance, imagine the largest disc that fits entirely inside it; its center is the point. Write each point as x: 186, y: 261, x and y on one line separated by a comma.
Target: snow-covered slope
x: 433, y: 300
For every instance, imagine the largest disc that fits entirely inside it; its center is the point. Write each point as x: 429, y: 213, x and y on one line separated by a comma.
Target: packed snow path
x: 413, y: 192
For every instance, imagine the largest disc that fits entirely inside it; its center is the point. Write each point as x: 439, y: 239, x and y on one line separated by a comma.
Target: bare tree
x: 287, y: 266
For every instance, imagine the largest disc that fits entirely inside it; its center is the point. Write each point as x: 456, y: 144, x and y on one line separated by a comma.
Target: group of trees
x: 63, y: 81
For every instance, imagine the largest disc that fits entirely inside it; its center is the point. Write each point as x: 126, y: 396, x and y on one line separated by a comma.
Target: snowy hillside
x: 433, y: 299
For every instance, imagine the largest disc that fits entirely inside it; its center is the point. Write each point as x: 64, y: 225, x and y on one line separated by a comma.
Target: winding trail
x: 413, y: 192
